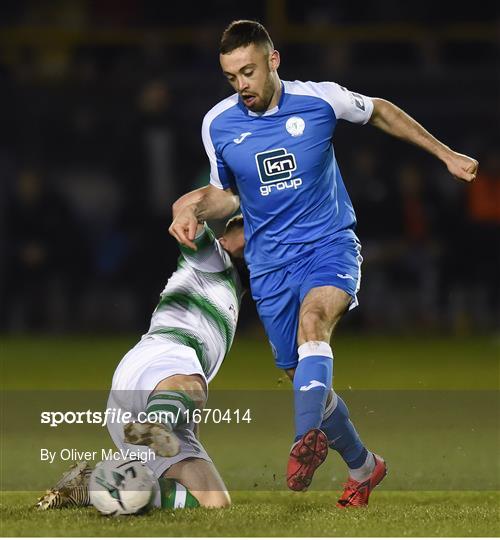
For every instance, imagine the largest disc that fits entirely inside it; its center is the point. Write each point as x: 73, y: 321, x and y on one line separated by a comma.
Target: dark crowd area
x: 102, y: 104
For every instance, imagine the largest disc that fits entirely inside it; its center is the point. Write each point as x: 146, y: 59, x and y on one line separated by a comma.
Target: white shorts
x: 141, y: 369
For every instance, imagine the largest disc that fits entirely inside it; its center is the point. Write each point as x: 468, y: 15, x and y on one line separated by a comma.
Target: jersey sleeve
x: 210, y: 255
x: 347, y: 105
x: 220, y: 175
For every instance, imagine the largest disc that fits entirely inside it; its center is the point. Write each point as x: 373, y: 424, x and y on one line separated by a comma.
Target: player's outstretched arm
x: 391, y: 119
x: 197, y: 206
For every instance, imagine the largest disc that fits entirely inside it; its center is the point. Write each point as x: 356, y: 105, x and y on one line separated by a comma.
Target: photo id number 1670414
x: 218, y: 416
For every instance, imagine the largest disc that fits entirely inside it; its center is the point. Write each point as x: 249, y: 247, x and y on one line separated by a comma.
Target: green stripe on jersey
x: 184, y: 337
x: 206, y: 306
x: 228, y: 278
x: 181, y: 262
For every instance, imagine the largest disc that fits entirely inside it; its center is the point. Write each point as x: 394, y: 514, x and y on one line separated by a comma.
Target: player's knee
x: 193, y: 385
x: 214, y: 499
x: 196, y: 391
x: 313, y: 325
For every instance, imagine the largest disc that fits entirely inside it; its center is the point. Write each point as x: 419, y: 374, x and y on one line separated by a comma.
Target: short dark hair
x: 242, y: 33
x: 234, y: 223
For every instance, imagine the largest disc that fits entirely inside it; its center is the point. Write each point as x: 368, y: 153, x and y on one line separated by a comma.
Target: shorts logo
x: 275, y: 170
x: 295, y: 125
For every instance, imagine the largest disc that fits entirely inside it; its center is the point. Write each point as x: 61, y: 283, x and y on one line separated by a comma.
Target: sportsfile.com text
x: 113, y: 415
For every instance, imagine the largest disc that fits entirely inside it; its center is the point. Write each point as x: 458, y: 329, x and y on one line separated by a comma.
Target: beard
x: 262, y: 104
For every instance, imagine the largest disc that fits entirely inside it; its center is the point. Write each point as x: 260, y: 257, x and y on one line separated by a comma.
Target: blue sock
x: 342, y: 436
x: 311, y: 383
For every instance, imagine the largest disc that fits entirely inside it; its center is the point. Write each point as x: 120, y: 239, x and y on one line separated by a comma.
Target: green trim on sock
x: 176, y: 403
x: 174, y: 395
x: 169, y: 409
x: 191, y: 500
x: 168, y: 492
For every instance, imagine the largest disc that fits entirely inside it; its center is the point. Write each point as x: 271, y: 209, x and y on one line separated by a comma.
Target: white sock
x: 364, y: 472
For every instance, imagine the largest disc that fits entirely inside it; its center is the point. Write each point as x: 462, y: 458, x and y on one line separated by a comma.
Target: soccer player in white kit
x: 167, y: 374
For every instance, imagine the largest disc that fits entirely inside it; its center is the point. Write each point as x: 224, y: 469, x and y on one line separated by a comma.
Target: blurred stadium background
x: 102, y: 107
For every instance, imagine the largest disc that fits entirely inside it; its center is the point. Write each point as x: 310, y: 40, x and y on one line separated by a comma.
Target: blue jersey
x: 283, y: 167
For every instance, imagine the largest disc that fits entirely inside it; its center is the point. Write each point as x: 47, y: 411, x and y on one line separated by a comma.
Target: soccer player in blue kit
x: 270, y: 150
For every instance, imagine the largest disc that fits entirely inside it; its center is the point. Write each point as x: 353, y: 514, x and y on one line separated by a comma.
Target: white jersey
x: 200, y: 304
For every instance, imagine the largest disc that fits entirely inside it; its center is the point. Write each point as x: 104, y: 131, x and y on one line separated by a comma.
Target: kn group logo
x: 276, y: 169
x: 275, y: 165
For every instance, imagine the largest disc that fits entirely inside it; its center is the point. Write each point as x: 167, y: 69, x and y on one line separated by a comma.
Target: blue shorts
x: 279, y: 294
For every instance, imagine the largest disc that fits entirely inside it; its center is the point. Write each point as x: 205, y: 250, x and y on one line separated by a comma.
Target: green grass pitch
x: 275, y: 514
x: 428, y: 405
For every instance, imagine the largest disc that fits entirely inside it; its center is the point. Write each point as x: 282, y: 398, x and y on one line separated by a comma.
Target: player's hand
x: 184, y: 226
x: 462, y: 167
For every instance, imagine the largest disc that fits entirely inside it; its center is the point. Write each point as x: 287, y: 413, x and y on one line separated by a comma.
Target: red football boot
x: 307, y: 454
x: 358, y: 493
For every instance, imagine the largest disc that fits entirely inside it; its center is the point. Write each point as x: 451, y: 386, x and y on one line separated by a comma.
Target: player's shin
x: 343, y: 437
x: 175, y: 495
x: 312, y: 382
x: 165, y: 411
x: 172, y: 408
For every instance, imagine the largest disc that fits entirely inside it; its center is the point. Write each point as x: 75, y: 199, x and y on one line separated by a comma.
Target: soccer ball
x: 120, y: 487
